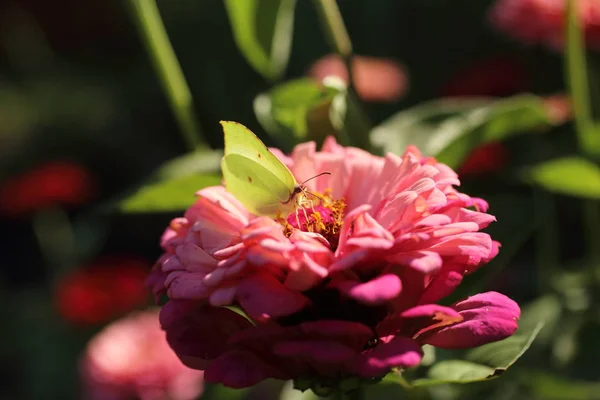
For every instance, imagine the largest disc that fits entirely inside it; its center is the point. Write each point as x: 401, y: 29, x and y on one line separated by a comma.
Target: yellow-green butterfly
x: 262, y: 183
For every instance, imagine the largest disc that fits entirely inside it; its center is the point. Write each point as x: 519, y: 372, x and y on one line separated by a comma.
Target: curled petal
x: 488, y: 317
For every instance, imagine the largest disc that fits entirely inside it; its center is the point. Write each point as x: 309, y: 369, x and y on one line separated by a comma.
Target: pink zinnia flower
x: 543, y: 21
x: 352, y: 291
x: 130, y: 359
x: 375, y: 79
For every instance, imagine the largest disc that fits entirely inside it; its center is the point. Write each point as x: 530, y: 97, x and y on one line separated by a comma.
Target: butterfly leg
x: 297, y: 218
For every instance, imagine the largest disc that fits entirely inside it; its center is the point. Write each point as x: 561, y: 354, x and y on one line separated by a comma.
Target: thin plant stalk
x: 335, y: 30
x: 153, y: 33
x: 589, y: 136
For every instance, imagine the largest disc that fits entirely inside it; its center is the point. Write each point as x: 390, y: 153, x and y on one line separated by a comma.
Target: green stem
x: 577, y: 82
x: 156, y: 40
x: 334, y: 27
x: 589, y: 139
x: 335, y: 30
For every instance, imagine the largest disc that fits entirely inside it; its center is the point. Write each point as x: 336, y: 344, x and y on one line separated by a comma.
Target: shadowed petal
x: 198, y: 333
x: 399, y: 352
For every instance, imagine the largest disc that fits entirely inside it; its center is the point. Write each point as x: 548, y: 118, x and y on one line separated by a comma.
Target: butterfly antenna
x: 316, y: 176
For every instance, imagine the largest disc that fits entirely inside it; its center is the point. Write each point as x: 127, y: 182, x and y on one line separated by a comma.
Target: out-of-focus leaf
x: 482, y: 363
x: 168, y: 195
x: 547, y: 310
x: 192, y: 163
x: 577, y: 79
x: 553, y: 387
x: 457, y: 371
x: 450, y: 128
x: 219, y: 392
x: 573, y: 176
x: 296, y: 110
x: 263, y: 31
x: 288, y: 392
x: 173, y: 185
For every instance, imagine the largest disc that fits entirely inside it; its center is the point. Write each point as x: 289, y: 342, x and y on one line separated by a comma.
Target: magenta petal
x: 486, y: 299
x: 374, y: 292
x: 429, y: 310
x: 424, y: 261
x: 400, y: 352
x: 256, y: 296
x: 488, y: 317
x: 442, y: 285
x: 240, y: 369
x: 198, y: 333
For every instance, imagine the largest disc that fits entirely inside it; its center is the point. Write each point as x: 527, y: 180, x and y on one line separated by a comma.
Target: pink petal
x: 430, y: 310
x: 399, y: 352
x: 442, y: 285
x: 197, y: 333
x: 256, y: 295
x: 424, y: 261
x: 488, y: 317
x: 375, y: 292
x: 240, y: 369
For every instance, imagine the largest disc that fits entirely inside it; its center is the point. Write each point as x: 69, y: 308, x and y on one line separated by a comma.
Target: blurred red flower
x: 49, y: 184
x: 486, y: 158
x: 499, y: 75
x: 107, y: 288
x: 543, y: 21
x: 375, y: 79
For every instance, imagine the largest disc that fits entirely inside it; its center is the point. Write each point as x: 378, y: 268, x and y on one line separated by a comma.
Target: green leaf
x: 450, y: 129
x: 173, y: 186
x: 193, y: 163
x: 263, y: 32
x: 577, y: 80
x: 554, y: 387
x: 482, y: 363
x: 573, y: 176
x: 296, y: 110
x: 169, y: 195
x: 458, y: 371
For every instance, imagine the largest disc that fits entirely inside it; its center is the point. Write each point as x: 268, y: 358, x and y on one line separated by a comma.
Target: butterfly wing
x: 252, y: 173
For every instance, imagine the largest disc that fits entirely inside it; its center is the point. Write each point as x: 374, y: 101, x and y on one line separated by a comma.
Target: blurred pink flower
x: 130, y: 359
x: 543, y: 21
x: 351, y: 291
x: 375, y: 79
